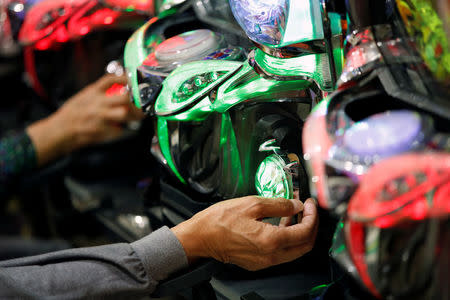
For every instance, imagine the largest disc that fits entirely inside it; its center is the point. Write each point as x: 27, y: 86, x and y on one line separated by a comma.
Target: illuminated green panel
x: 315, y: 66
x: 338, y: 245
x: 197, y: 113
x: 246, y: 85
x: 231, y: 166
x: 338, y: 49
x: 272, y: 180
x: 171, y: 98
x: 162, y: 6
x: 304, y: 22
x: 164, y: 143
x: 196, y: 84
x: 318, y: 290
x: 335, y: 23
x: 136, y: 50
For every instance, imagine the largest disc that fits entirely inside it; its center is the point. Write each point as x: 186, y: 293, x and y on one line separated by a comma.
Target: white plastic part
x: 188, y: 45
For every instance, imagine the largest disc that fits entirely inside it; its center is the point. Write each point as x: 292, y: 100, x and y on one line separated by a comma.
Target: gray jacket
x: 113, y: 271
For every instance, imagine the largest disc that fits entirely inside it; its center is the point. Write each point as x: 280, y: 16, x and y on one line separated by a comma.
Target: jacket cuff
x: 161, y: 253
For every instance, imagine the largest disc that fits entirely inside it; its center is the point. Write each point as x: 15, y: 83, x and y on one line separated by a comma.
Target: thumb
x: 277, y: 207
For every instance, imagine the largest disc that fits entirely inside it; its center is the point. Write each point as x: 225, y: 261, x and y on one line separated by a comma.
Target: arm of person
x: 230, y: 231
x: 89, y: 117
x: 112, y: 271
x: 233, y: 232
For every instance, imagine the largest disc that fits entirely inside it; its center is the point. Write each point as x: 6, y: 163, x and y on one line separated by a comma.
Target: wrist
x: 66, y: 135
x: 191, y: 240
x: 50, y: 138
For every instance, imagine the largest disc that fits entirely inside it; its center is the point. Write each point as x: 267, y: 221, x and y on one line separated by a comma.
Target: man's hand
x: 89, y: 117
x: 232, y: 232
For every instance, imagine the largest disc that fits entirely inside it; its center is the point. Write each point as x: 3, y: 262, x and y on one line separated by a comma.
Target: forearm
x: 51, y: 138
x: 114, y: 271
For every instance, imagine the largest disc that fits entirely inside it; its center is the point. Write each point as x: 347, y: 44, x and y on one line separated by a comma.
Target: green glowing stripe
x: 164, y: 143
x: 135, y: 54
x: 169, y: 100
x: 338, y: 50
x: 197, y: 113
x: 231, y: 158
x: 304, y: 23
x: 246, y: 85
x: 315, y: 66
x: 317, y: 288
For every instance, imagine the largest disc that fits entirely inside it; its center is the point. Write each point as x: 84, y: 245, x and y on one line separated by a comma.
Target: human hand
x: 232, y: 232
x: 89, y: 117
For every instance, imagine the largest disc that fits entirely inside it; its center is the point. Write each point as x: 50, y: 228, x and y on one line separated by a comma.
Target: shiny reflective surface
x: 272, y: 180
x: 384, y: 134
x: 48, y: 23
x: 279, y: 23
x: 167, y: 102
x: 136, y: 50
x: 264, y: 21
x: 178, y: 50
x: 407, y: 187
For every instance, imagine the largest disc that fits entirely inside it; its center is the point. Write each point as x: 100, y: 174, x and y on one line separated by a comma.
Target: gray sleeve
x: 114, y: 271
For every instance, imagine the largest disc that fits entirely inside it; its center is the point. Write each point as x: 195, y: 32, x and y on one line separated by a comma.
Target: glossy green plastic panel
x: 162, y: 6
x: 198, y: 112
x: 164, y: 143
x: 338, y: 49
x: 314, y: 66
x: 168, y: 100
x: 231, y: 163
x: 247, y: 85
x: 271, y: 180
x: 304, y: 23
x: 244, y: 85
x: 136, y: 50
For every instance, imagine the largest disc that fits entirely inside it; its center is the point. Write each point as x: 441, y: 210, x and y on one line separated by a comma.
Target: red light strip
x: 368, y: 204
x: 30, y: 70
x: 355, y: 235
x: 31, y: 32
x: 80, y: 17
x: 316, y: 144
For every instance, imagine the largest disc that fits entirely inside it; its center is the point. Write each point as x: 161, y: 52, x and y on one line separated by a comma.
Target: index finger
x: 117, y: 100
x: 299, y: 233
x: 106, y: 81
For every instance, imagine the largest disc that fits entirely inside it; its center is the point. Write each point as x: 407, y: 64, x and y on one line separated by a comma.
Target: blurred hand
x: 89, y: 117
x: 92, y: 117
x: 232, y: 232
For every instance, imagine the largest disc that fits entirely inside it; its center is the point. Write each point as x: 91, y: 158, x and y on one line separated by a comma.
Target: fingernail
x: 124, y: 90
x: 313, y: 200
x: 298, y: 205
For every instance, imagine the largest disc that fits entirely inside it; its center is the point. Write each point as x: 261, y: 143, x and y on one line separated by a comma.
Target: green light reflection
x: 136, y: 51
x: 170, y: 99
x: 164, y: 143
x: 272, y: 180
